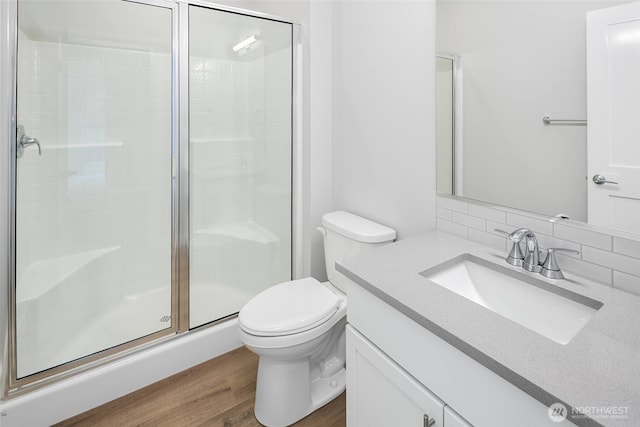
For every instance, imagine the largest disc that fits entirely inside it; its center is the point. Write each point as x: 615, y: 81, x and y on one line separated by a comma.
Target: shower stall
x: 148, y: 152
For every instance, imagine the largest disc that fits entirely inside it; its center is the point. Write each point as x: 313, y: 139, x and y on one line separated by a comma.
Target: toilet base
x: 324, y: 390
x: 281, y: 402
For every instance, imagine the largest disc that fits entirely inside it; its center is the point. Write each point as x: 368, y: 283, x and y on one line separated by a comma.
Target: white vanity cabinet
x: 398, y: 371
x: 381, y: 394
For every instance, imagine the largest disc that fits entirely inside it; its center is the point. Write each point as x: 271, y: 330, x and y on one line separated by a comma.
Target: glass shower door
x: 93, y: 212
x: 240, y: 83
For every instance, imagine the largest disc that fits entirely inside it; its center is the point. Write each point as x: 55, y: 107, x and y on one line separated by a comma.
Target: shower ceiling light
x: 246, y: 42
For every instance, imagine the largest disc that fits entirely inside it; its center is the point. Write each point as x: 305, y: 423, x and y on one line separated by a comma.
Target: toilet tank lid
x: 357, y: 228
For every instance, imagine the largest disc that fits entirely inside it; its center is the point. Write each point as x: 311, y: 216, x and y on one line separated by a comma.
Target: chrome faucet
x: 550, y: 268
x: 530, y: 260
x: 531, y: 253
x: 515, y: 256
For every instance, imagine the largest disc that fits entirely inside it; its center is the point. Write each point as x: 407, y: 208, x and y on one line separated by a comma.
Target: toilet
x: 298, y: 328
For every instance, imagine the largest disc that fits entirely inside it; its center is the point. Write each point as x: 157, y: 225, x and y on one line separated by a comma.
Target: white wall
x: 522, y: 60
x: 320, y: 105
x: 383, y: 105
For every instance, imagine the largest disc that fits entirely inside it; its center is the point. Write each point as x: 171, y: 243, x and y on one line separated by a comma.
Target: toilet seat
x: 289, y: 308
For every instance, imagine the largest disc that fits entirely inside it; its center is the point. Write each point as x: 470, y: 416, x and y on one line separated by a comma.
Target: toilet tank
x: 347, y: 235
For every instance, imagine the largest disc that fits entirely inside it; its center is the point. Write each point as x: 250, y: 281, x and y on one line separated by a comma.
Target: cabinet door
x: 381, y: 393
x: 453, y: 419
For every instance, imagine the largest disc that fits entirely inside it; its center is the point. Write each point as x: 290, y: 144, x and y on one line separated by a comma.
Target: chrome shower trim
x: 227, y: 8
x: 176, y: 105
x: 183, y: 159
x: 50, y: 376
x: 8, y: 63
x: 106, y: 357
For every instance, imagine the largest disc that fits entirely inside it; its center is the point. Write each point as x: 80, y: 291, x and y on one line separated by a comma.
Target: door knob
x: 601, y: 179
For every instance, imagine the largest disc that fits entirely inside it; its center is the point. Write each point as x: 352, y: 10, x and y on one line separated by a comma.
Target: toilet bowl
x: 301, y: 368
x: 298, y: 328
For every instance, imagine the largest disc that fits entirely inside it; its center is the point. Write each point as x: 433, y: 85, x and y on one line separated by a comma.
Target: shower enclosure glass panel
x: 240, y: 159
x: 94, y: 194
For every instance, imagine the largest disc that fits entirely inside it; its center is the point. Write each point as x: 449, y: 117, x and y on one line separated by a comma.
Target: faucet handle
x: 515, y: 256
x: 515, y: 235
x: 550, y: 268
x: 506, y: 233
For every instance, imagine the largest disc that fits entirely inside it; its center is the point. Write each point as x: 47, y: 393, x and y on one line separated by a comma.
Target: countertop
x: 599, y: 369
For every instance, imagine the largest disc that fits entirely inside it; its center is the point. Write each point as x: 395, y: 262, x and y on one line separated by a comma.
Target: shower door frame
x: 14, y: 385
x: 10, y: 385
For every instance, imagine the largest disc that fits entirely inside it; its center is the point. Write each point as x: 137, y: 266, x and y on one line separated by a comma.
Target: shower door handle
x: 23, y: 141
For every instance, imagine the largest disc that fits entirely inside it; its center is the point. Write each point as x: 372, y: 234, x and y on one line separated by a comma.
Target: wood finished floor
x: 219, y: 392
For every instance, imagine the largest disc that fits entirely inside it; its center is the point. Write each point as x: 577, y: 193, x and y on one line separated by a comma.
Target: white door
x: 613, y: 104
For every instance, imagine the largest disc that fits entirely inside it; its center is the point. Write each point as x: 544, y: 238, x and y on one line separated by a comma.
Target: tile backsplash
x: 609, y: 257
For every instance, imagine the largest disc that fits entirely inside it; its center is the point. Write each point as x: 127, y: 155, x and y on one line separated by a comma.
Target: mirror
x: 445, y: 127
x: 512, y: 63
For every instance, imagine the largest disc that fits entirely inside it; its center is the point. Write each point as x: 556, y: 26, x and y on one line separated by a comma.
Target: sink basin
x: 548, y: 310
